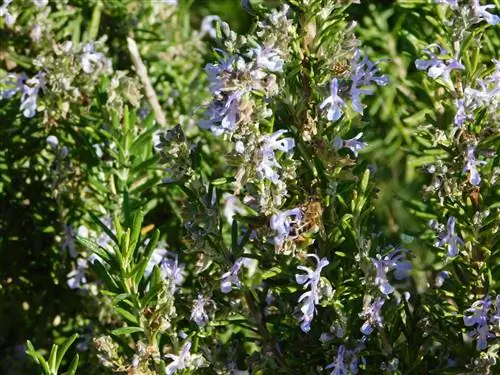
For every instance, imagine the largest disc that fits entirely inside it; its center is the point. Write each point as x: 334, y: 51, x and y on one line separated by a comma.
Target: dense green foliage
x: 168, y: 179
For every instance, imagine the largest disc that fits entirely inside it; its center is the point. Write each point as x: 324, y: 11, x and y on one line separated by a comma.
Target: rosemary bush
x: 254, y: 187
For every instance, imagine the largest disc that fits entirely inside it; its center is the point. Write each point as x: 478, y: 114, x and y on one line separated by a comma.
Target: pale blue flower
x: 77, y: 278
x: 207, y: 26
x: 230, y: 278
x: 372, y: 314
x: 396, y: 261
x: 449, y: 238
x: 481, y: 12
x: 15, y: 80
x: 477, y: 315
x: 334, y: 102
x: 338, y: 366
x: 40, y: 3
x: 364, y: 74
x: 311, y: 279
x: 30, y: 94
x: 452, y: 3
x: 353, y: 144
x: 460, y: 115
x: 268, y: 165
x: 281, y: 223
x: 156, y: 258
x: 185, y: 360
x: 52, y: 141
x: 232, y: 206
x: 268, y: 58
x: 471, y: 166
x: 68, y: 243
x: 437, y: 66
x: 198, y: 313
x: 440, y: 278
x: 173, y: 271
x: 90, y: 59
x: 4, y: 12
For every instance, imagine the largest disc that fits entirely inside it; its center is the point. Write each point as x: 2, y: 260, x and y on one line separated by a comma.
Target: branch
x: 142, y: 72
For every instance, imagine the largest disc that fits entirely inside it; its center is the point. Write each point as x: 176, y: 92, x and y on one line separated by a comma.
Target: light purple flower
x: 173, y: 271
x: 16, y: 80
x: 268, y: 58
x: 452, y: 3
x: 353, y: 144
x: 372, y: 314
x: 40, y: 3
x: 364, y: 74
x: 481, y: 12
x: 460, y: 116
x: 282, y: 222
x: 4, y: 12
x: 477, y: 315
x: 198, y: 313
x: 29, y: 97
x: 158, y: 255
x: 381, y: 277
x: 338, y: 366
x: 334, y: 102
x: 185, y: 360
x: 471, y: 166
x: 478, y: 312
x: 77, y: 277
x: 268, y: 164
x: 230, y: 278
x: 232, y: 206
x: 69, y: 241
x: 440, y: 278
x: 449, y: 238
x: 395, y: 260
x: 311, y: 279
x: 437, y: 66
x: 207, y: 26
x: 90, y: 59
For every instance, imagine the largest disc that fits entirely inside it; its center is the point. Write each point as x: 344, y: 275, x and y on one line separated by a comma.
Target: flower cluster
x: 243, y: 84
x: 364, y: 74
